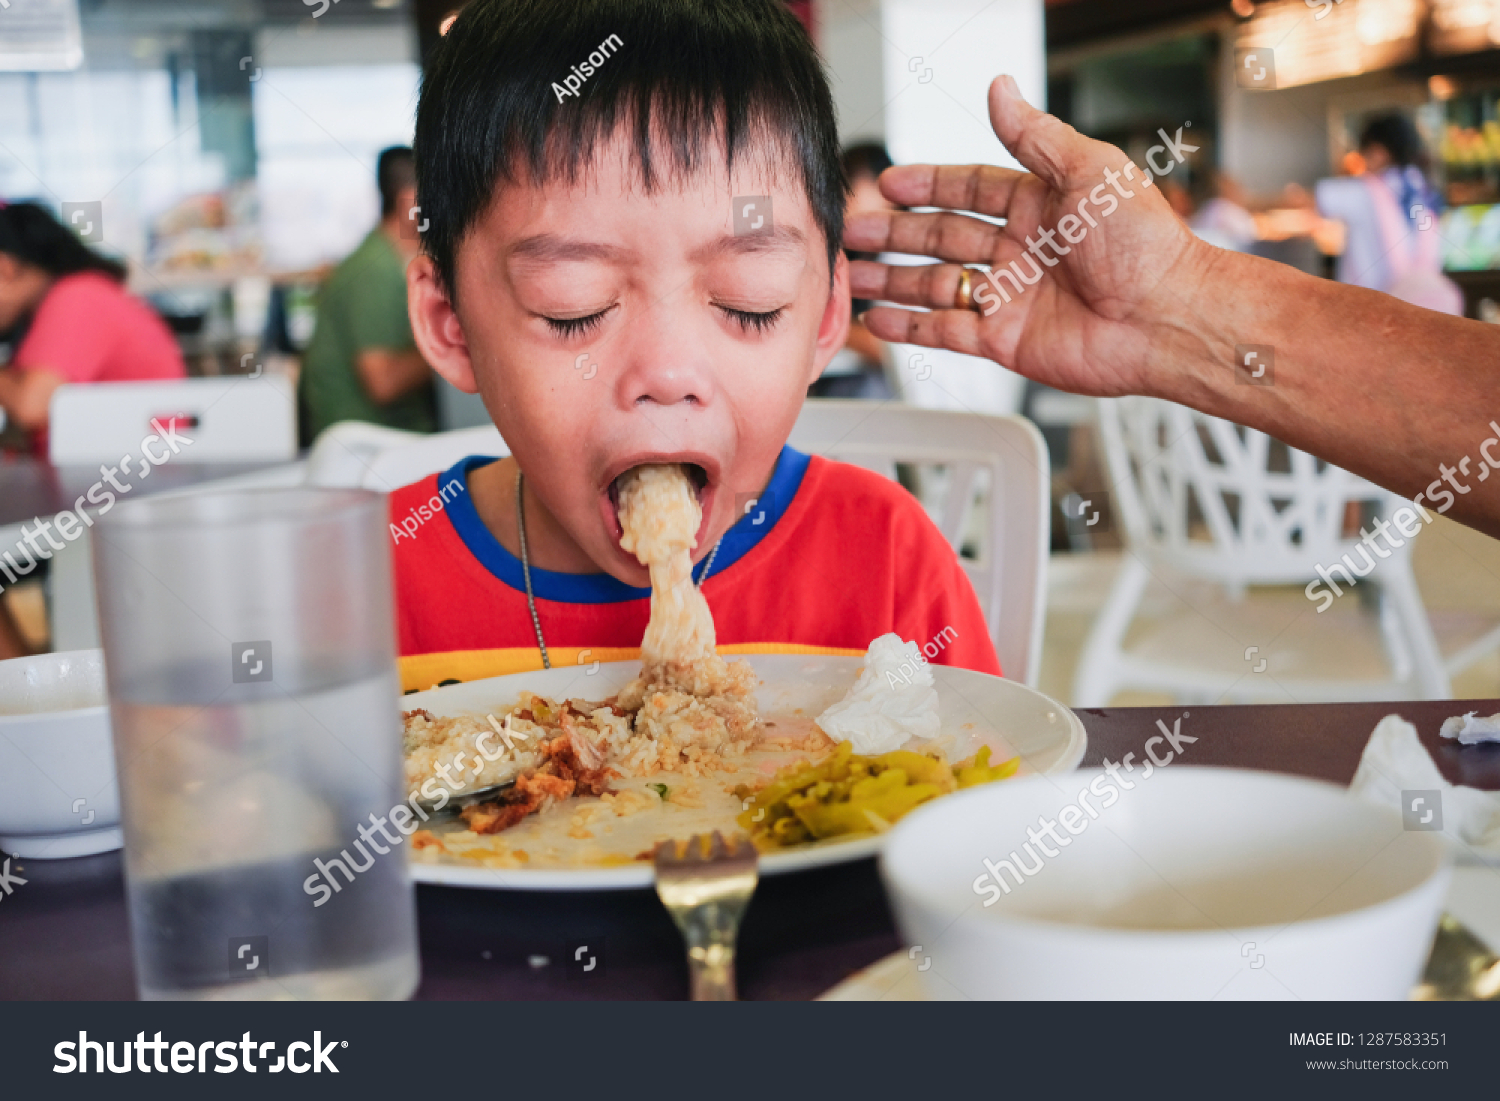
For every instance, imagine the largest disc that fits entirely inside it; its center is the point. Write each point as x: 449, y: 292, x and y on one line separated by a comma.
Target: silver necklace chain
x: 536, y: 622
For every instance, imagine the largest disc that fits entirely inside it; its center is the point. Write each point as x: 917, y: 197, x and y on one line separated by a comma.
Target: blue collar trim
x: 760, y: 516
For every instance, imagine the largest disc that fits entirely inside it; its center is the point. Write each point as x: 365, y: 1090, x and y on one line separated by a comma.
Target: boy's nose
x: 660, y: 377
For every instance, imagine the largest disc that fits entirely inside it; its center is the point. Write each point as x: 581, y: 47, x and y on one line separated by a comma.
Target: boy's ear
x: 833, y: 331
x: 435, y: 326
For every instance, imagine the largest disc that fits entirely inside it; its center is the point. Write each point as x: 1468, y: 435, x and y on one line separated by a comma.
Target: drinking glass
x: 249, y: 652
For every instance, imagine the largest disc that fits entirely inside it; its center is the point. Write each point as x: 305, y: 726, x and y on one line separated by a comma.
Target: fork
x: 705, y: 884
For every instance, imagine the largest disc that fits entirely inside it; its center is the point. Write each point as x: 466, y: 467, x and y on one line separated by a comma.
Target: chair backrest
x: 998, y: 464
x: 1224, y: 502
x: 341, y: 455
x: 371, y: 457
x: 228, y: 420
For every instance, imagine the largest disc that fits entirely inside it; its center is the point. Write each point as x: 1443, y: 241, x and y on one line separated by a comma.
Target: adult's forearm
x: 1397, y: 394
x: 388, y: 375
x: 25, y: 395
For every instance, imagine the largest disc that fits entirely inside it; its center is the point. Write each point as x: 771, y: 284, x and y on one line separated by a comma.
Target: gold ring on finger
x: 963, y: 298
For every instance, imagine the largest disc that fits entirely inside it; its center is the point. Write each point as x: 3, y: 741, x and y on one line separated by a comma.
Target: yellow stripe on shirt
x: 423, y: 671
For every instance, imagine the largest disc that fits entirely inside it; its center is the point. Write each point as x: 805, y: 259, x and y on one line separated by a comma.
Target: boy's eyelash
x: 576, y: 326
x: 748, y: 320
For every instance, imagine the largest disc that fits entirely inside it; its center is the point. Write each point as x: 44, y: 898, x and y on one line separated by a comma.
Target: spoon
x: 458, y: 800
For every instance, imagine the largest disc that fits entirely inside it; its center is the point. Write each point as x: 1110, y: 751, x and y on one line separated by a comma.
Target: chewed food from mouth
x: 686, y: 693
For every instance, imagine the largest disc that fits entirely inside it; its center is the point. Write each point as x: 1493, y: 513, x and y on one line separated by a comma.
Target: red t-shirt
x: 88, y: 328
x: 832, y: 557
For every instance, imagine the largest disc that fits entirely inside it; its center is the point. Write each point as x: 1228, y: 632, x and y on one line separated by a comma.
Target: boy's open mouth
x: 700, y: 474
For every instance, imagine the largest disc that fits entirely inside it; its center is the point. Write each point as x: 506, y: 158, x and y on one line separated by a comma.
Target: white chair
x: 228, y: 420
x: 994, y: 465
x: 368, y: 456
x: 1204, y: 500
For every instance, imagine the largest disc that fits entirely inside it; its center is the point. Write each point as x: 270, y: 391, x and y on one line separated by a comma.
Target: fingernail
x: 1012, y: 87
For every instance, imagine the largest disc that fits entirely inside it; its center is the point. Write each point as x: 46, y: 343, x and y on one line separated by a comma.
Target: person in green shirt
x: 362, y: 363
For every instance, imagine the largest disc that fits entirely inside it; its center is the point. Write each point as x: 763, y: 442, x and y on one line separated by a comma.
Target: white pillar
x: 849, y: 40
x: 940, y: 56
x: 939, y: 59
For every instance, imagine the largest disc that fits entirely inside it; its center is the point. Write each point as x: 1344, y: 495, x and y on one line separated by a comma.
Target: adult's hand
x: 1403, y: 396
x: 1103, y: 303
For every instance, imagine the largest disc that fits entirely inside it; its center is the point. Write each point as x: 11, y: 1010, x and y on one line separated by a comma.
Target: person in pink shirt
x: 70, y: 318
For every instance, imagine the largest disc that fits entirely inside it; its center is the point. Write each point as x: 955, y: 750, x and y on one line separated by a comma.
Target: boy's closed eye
x: 748, y: 321
x: 576, y: 285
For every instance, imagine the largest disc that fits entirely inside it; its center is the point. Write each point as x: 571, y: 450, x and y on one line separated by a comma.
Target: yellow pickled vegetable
x: 847, y: 795
x: 980, y: 771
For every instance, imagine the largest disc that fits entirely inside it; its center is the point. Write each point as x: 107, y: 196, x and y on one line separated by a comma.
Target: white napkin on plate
x: 1395, y: 761
x: 891, y: 703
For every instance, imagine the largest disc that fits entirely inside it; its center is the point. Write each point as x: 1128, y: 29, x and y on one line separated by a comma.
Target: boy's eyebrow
x: 782, y: 238
x: 549, y: 246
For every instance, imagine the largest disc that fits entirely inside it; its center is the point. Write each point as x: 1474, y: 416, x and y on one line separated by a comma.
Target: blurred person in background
x: 70, y: 320
x: 1390, y: 213
x: 1224, y: 219
x: 858, y: 369
x: 362, y: 364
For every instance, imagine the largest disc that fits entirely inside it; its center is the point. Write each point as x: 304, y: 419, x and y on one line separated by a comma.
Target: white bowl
x: 58, y: 795
x: 1197, y: 883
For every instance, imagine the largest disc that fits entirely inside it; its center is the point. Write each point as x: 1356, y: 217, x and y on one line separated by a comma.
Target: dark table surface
x: 30, y: 488
x: 63, y: 934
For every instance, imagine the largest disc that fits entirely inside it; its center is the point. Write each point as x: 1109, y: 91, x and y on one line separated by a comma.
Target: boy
x: 632, y: 252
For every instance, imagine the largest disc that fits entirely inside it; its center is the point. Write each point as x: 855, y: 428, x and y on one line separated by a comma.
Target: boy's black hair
x: 687, y: 71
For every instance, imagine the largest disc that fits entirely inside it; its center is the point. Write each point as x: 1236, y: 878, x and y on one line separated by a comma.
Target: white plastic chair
x: 1002, y: 460
x: 229, y: 420
x: 996, y: 463
x: 1201, y: 498
x: 355, y: 455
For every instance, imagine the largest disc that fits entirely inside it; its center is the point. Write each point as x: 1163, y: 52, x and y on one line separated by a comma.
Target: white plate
x: 976, y: 708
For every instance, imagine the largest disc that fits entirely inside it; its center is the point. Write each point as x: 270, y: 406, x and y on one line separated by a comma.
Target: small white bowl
x: 1198, y: 883
x: 58, y: 795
